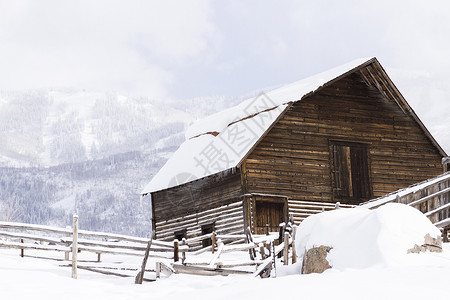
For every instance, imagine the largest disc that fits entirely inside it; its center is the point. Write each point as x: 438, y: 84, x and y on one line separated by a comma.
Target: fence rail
x: 60, y: 239
x: 186, y: 259
x: 431, y: 197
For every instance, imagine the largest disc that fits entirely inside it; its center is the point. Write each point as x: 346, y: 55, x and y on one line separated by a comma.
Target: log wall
x: 216, y: 198
x: 229, y: 219
x: 295, y: 159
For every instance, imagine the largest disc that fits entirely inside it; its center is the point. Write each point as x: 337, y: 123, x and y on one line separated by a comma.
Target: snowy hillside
x: 50, y: 128
x: 74, y: 151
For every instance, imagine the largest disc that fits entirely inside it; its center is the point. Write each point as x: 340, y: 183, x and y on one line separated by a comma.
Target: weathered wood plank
x: 293, y: 159
x: 200, y: 195
x: 206, y: 271
x: 140, y: 276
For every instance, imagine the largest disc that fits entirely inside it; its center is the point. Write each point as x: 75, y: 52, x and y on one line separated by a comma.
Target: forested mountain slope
x: 65, y: 152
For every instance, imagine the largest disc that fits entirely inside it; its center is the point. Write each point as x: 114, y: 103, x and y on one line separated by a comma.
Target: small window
x: 180, y: 234
x: 206, y: 229
x: 351, y: 172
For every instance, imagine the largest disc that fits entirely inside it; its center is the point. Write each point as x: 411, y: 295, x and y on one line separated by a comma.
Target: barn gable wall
x: 295, y: 156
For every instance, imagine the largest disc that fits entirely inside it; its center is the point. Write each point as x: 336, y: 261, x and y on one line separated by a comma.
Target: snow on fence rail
x: 72, y: 240
x: 61, y: 239
x: 262, y: 251
x: 85, y: 233
x: 114, y: 244
x: 432, y: 197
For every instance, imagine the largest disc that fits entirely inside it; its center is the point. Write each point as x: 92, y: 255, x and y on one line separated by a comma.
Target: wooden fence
x: 60, y: 239
x: 431, y: 197
x: 262, y: 252
x: 72, y: 241
x: 186, y: 259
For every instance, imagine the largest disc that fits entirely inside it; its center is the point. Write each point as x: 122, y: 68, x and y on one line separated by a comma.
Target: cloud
x: 183, y: 49
x: 199, y: 48
x: 121, y: 45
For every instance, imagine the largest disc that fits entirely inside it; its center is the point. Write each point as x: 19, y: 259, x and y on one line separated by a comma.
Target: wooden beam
x: 65, y: 231
x: 443, y: 223
x: 434, y: 211
x: 424, y: 199
x: 206, y: 271
x: 286, y: 249
x: 268, y: 261
x: 217, y: 254
x: 294, y: 252
x: 74, y: 247
x: 140, y: 275
x: 175, y: 251
x: 16, y: 245
x: 364, y: 77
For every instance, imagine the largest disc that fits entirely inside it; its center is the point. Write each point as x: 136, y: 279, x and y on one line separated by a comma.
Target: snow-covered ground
x: 31, y: 278
x: 420, y: 276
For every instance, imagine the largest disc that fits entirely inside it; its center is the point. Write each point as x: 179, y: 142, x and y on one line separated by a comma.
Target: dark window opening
x: 351, y: 172
x: 180, y: 234
x: 206, y: 229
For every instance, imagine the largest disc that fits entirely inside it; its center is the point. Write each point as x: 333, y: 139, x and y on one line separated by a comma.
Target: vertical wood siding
x: 295, y: 159
x: 379, y: 145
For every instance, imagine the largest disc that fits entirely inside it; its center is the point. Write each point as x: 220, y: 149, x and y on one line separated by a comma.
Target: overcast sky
x: 184, y: 49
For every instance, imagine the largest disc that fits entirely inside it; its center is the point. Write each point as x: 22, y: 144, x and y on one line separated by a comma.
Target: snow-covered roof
x: 222, y: 140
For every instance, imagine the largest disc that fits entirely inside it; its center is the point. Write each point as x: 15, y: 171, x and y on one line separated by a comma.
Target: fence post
x: 294, y: 251
x: 262, y: 251
x: 220, y: 246
x: 249, y: 239
x: 66, y: 256
x: 183, y: 254
x: 272, y: 245
x: 213, y: 241
x: 21, y: 250
x: 176, y: 256
x: 280, y: 236
x: 74, y: 246
x: 140, y: 276
x: 445, y: 234
x: 158, y: 269
x: 286, y: 249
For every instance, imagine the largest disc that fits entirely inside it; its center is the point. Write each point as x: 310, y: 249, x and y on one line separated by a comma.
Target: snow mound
x: 362, y: 238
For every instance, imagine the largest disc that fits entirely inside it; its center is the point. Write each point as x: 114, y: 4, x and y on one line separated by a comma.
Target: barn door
x: 268, y: 214
x: 351, y: 172
x: 264, y: 212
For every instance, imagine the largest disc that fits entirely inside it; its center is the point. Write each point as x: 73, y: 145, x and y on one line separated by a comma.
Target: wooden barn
x: 346, y: 135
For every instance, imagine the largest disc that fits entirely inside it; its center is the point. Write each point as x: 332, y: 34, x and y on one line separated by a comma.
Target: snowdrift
x: 362, y: 238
